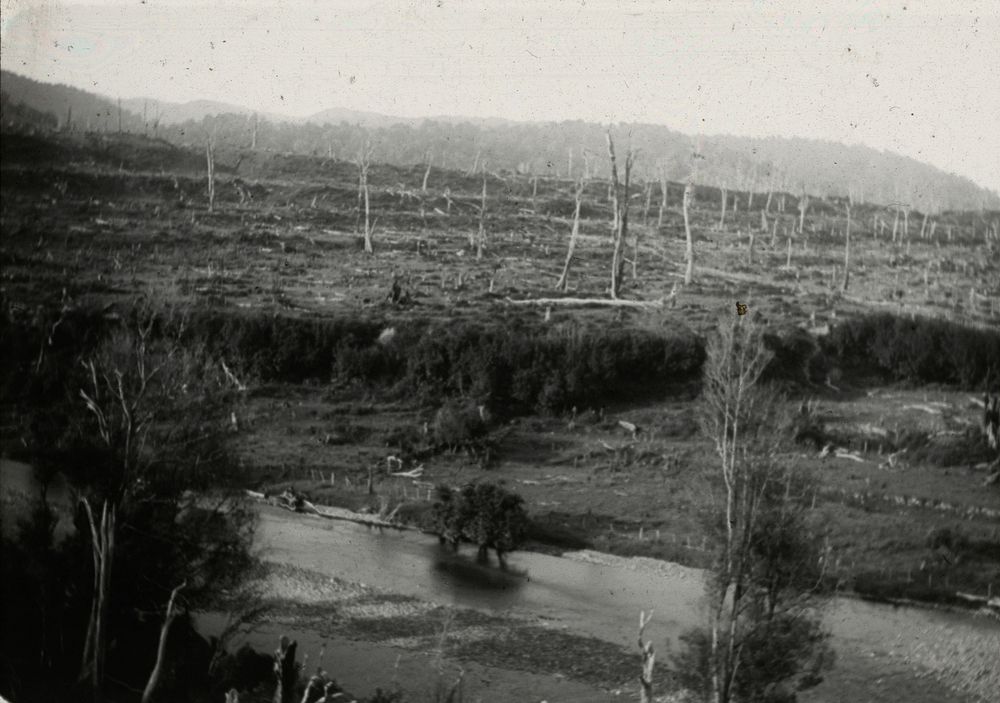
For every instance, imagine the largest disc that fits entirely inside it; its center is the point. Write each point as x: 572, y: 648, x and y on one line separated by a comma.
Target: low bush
x: 917, y: 350
x: 458, y: 426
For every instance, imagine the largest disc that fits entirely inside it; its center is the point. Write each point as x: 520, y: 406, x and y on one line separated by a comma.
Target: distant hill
x: 175, y: 113
x: 86, y: 110
x: 555, y: 149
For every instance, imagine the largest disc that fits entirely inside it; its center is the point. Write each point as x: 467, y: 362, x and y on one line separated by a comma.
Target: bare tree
x: 364, y: 161
x: 96, y: 641
x: 153, y: 690
x: 563, y: 282
x: 427, y: 173
x: 155, y: 407
x: 621, y: 203
x: 803, y: 206
x: 663, y: 199
x: 766, y: 570
x: 210, y: 159
x: 286, y: 671
x: 481, y: 239
x: 725, y: 197
x: 648, y: 661
x: 689, y: 246
x: 847, y: 245
x: 649, y: 200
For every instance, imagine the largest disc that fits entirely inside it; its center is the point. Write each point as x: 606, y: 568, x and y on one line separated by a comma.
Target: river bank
x: 550, y: 610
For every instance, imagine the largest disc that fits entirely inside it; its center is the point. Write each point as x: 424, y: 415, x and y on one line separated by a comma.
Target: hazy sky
x: 919, y: 78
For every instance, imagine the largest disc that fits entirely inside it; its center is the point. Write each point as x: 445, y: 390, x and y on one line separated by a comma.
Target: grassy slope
x: 99, y: 222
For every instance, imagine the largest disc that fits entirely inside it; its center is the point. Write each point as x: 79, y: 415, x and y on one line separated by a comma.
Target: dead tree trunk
x: 154, y: 685
x: 102, y: 550
x: 481, y: 239
x: 364, y: 163
x: 563, y: 282
x: 774, y: 232
x: 534, y: 192
x: 847, y: 250
x: 286, y: 672
x: 475, y: 165
x: 648, y: 661
x: 210, y: 159
x: 923, y: 227
x: 895, y: 225
x: 649, y: 200
x: 750, y: 248
x: 253, y: 132
x: 663, y: 201
x: 803, y: 206
x: 621, y: 215
x: 788, y: 256
x: 689, y: 246
x: 427, y: 174
x: 722, y: 216
x: 119, y: 115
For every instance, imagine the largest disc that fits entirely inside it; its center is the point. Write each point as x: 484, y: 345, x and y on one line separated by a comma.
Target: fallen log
x: 587, y: 302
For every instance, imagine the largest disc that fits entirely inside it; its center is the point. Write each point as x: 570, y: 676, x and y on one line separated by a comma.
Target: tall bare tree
x: 663, y: 199
x: 563, y: 282
x: 689, y: 239
x: 847, y: 245
x: 649, y: 201
x: 481, y: 238
x: 648, y: 658
x: 621, y: 202
x: 154, y: 691
x: 767, y: 568
x: 803, y: 207
x: 429, y: 158
x: 725, y: 197
x: 364, y: 161
x: 210, y: 160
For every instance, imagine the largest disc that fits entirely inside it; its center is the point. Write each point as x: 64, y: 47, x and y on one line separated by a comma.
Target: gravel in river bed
x: 300, y: 598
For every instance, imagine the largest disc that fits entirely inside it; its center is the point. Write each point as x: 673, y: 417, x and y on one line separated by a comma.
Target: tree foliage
x: 485, y: 514
x: 762, y: 630
x: 139, y: 434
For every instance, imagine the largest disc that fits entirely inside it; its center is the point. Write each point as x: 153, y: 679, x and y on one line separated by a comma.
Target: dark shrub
x: 918, y: 350
x: 458, y: 426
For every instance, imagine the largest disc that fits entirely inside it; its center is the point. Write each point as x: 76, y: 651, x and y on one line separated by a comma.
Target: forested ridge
x: 564, y: 149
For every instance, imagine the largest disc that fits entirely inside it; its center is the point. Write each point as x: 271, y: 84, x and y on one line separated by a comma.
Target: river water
x: 594, y: 599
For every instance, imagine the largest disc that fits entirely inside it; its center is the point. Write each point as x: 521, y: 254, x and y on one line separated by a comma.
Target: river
x: 603, y: 600
x: 593, y: 599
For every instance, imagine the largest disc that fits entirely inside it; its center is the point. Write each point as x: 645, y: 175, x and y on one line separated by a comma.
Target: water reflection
x: 461, y: 571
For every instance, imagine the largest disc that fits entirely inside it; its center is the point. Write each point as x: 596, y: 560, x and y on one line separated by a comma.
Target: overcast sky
x: 918, y: 78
